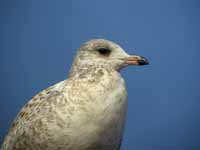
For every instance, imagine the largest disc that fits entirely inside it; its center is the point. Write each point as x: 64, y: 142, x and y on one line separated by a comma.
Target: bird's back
x: 31, y: 122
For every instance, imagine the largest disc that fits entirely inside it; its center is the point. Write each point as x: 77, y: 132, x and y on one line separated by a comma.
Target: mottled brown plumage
x: 84, y: 112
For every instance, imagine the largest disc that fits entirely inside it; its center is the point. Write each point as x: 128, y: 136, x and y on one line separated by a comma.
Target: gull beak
x: 135, y: 60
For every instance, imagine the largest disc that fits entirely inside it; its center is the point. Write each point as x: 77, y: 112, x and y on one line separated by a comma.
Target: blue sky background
x: 38, y: 39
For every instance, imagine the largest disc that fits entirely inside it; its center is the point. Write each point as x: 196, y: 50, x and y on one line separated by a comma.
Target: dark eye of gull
x: 104, y: 51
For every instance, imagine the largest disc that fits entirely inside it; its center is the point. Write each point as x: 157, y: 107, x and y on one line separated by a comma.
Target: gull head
x: 101, y: 52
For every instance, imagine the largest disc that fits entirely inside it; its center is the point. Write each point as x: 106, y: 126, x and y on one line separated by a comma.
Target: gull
x: 84, y: 112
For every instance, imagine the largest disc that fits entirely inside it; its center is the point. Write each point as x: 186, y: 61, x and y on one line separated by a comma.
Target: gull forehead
x: 89, y: 45
x: 103, y: 44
